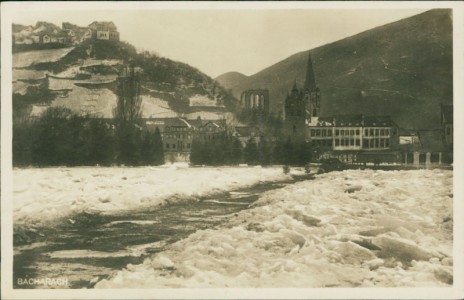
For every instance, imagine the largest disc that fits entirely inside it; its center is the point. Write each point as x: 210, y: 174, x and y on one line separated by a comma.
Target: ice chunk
x: 302, y: 217
x: 162, y: 262
x: 353, y: 253
x: 353, y: 188
x: 374, y: 263
x: 402, y: 249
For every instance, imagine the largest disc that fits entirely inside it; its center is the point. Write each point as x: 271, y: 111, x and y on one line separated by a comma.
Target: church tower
x: 302, y: 107
x: 312, y: 95
x: 294, y: 124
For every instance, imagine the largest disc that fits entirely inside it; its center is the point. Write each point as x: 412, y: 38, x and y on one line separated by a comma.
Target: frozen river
x: 90, y: 247
x: 233, y: 227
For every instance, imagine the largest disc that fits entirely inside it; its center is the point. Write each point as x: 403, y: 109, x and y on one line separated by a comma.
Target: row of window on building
x: 173, y: 146
x: 351, y: 132
x: 178, y: 135
x: 344, y: 142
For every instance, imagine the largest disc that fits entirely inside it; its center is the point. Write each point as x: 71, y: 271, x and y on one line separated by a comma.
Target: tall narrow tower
x: 294, y: 124
x: 312, y: 94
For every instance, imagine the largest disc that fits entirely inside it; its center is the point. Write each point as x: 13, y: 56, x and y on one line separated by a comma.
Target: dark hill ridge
x: 169, y: 80
x: 403, y: 69
x: 230, y: 79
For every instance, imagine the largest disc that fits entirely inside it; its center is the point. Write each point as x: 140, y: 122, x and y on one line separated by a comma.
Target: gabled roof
x: 431, y: 140
x: 171, y: 122
x: 105, y: 24
x: 210, y: 123
x: 348, y: 120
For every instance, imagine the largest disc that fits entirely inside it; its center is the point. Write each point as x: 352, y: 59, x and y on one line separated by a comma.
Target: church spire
x: 310, y: 81
x: 295, y: 88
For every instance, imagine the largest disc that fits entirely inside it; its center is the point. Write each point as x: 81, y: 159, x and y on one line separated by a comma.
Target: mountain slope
x: 403, y: 69
x: 229, y: 79
x: 163, y: 80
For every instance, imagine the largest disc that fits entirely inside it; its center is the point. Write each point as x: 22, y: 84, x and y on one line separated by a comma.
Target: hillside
x: 88, y: 71
x: 403, y: 69
x: 229, y: 79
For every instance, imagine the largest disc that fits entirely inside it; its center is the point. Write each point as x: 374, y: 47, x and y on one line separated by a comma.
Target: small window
x: 343, y: 142
x: 365, y: 143
x: 313, y: 132
x: 337, y: 142
x: 352, y: 132
x: 377, y: 132
x: 382, y: 143
x: 382, y: 132
x: 357, y: 131
x: 329, y: 132
x: 371, y: 132
x: 387, y: 143
x: 337, y: 132
x: 358, y: 142
x: 173, y: 146
x: 324, y: 132
x: 387, y: 132
x: 352, y: 142
x: 167, y: 146
x: 366, y: 132
x: 342, y: 132
x: 371, y: 144
x: 347, y: 132
x: 377, y: 143
x: 318, y: 132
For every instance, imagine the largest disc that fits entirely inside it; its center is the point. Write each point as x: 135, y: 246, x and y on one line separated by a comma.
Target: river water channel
x: 90, y: 247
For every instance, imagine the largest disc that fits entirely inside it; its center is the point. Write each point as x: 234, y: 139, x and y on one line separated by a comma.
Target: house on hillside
x: 104, y: 31
x: 211, y: 130
x: 76, y: 34
x: 177, y: 135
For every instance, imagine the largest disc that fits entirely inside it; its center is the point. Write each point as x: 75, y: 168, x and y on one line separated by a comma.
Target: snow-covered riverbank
x: 43, y: 195
x: 350, y: 228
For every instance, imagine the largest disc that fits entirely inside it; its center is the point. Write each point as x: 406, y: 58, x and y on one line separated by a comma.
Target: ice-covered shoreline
x: 42, y: 195
x: 343, y: 229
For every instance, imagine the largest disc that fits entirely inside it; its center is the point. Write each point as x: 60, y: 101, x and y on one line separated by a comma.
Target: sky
x: 219, y: 41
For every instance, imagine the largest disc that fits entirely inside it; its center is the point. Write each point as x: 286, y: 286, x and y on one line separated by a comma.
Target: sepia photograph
x: 231, y: 150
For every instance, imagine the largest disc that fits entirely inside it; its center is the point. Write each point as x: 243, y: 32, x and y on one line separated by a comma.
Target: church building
x: 302, y: 106
x: 350, y: 138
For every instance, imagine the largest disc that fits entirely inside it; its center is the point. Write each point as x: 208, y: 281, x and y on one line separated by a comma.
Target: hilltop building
x: 68, y: 34
x: 257, y: 99
x: 104, y: 31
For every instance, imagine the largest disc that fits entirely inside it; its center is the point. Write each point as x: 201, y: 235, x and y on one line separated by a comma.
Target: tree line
x: 60, y: 137
x: 228, y: 150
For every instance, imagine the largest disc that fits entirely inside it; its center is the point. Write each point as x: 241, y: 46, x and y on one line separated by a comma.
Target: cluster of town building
x: 69, y: 34
x: 356, y: 138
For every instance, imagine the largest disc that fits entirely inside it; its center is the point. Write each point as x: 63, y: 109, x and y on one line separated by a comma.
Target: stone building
x: 177, y: 135
x: 104, y: 31
x: 255, y: 99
